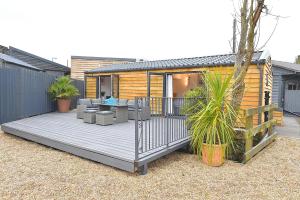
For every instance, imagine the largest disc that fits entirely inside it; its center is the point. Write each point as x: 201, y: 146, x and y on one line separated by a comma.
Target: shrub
x: 63, y: 88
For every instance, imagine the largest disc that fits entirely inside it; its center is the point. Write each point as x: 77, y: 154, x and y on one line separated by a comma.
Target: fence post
x: 270, y: 131
x: 136, y: 137
x: 248, y: 134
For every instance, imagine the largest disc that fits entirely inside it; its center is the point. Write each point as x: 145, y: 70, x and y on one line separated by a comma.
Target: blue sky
x: 150, y: 30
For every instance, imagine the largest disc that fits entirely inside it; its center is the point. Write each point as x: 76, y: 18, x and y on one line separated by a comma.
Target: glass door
x: 104, y: 87
x: 115, y: 85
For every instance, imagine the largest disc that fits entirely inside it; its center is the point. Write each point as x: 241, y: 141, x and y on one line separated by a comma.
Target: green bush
x: 192, y: 104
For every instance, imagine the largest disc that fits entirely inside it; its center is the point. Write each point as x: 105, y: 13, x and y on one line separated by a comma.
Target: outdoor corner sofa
x: 88, y: 104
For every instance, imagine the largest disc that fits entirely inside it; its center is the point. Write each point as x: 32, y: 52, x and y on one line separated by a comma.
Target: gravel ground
x: 32, y: 171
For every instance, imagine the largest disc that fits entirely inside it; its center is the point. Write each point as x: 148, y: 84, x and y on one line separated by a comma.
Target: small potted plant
x: 62, y: 90
x: 102, y: 95
x: 212, y: 120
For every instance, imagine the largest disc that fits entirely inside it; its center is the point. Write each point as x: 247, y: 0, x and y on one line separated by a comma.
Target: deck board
x: 113, y: 145
x: 116, y: 140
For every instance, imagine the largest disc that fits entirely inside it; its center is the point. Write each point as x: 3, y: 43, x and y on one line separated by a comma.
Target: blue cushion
x: 111, y: 101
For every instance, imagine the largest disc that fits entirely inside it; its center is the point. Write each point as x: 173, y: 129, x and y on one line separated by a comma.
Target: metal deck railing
x: 159, y: 123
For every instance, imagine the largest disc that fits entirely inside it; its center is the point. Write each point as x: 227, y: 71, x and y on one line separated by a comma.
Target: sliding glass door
x: 115, y: 85
x: 108, y: 86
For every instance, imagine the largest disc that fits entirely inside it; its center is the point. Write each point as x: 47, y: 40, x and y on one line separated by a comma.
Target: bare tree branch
x: 275, y: 27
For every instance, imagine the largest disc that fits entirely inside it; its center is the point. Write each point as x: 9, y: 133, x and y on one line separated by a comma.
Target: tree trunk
x: 249, y: 19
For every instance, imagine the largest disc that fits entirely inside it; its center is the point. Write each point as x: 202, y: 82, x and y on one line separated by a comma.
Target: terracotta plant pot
x: 63, y: 105
x: 218, y: 154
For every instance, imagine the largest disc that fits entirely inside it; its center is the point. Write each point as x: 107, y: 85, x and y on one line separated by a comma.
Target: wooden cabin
x: 174, y: 77
x: 80, y: 64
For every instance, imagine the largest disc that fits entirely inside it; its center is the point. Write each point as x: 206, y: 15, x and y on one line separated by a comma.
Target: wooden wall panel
x: 132, y: 84
x: 278, y: 115
x: 156, y: 86
x: 79, y: 66
x: 91, y: 87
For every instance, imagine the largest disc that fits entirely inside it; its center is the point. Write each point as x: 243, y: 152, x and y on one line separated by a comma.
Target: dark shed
x: 286, y: 85
x: 39, y: 62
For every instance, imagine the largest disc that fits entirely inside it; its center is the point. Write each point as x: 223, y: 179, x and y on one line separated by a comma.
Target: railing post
x: 136, y: 137
x: 167, y: 118
x: 248, y: 135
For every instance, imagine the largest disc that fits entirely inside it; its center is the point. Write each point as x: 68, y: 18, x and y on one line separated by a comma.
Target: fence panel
x: 24, y: 93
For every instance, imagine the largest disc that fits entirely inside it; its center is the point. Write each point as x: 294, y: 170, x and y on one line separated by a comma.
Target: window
x: 292, y: 86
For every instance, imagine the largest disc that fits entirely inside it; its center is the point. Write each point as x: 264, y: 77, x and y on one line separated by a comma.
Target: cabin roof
x: 215, y: 60
x: 16, y: 61
x: 286, y: 65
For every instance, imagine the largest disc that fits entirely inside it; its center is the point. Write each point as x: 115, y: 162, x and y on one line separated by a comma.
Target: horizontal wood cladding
x: 91, y: 88
x: 79, y: 66
x: 278, y: 115
x: 134, y: 83
x: 268, y: 77
x: 267, y: 82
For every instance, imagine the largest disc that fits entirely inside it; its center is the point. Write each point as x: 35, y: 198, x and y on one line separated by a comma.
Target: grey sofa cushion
x: 96, y: 101
x: 86, y: 102
x: 105, y: 112
x: 131, y: 104
x: 142, y: 104
x: 123, y: 101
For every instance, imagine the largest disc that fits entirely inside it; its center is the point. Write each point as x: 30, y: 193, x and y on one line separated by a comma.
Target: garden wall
x: 23, y: 93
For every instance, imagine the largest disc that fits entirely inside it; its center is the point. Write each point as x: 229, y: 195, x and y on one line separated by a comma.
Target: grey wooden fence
x: 23, y: 93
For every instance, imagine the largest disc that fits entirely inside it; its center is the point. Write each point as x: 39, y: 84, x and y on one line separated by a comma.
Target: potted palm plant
x: 212, y: 120
x: 62, y: 90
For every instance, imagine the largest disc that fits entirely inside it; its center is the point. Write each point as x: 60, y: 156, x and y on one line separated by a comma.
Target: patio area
x: 114, y: 145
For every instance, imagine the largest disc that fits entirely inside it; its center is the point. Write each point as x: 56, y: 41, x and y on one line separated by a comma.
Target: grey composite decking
x: 112, y: 145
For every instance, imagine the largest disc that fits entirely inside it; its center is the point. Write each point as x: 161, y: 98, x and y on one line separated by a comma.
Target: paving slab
x: 290, y: 128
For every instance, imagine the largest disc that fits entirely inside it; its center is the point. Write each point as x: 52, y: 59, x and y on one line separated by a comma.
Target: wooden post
x: 270, y: 131
x: 250, y: 151
x: 248, y: 136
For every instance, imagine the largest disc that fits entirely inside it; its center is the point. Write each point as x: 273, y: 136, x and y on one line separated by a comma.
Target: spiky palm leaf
x: 214, y: 122
x: 63, y: 88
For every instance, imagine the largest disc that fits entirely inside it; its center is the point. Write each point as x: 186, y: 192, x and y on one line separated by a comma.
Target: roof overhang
x: 196, y: 62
